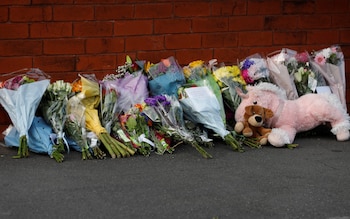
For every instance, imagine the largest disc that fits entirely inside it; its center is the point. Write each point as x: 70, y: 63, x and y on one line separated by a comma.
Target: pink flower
x: 320, y: 59
x: 246, y: 77
x: 302, y: 57
x: 334, y: 49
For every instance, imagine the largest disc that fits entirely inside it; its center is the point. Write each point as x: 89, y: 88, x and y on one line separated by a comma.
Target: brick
x: 315, y: 22
x: 224, y: 8
x: 334, y: 6
x: 183, y: 41
x: 261, y: 50
x: 4, y: 14
x: 185, y: 56
x: 99, y: 62
x: 174, y: 25
x: 159, y: 10
x: 287, y: 22
x: 211, y: 24
x: 322, y: 37
x: 64, y: 46
x: 148, y: 43
x: 51, y: 30
x: 54, y: 63
x: 104, y: 45
x: 32, y: 13
x: 255, y: 38
x: 219, y: 40
x: 10, y: 64
x: 94, y: 1
x: 289, y: 37
x: 43, y: 2
x: 66, y: 76
x: 87, y: 29
x: 340, y: 20
x: 14, y: 31
x: 15, y: 2
x: 345, y: 37
x: 73, y: 13
x: 228, y: 56
x: 114, y: 12
x: 264, y: 7
x: 239, y: 23
x: 191, y: 9
x: 20, y: 47
x: 133, y: 27
x: 298, y: 7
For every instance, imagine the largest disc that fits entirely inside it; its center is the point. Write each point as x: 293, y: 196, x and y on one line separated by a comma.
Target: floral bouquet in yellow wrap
x: 90, y: 98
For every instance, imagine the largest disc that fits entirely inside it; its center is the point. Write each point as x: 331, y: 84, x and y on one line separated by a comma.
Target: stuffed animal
x: 293, y: 116
x: 253, y: 124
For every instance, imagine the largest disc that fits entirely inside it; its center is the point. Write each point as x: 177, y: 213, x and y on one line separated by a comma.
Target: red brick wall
x: 65, y: 37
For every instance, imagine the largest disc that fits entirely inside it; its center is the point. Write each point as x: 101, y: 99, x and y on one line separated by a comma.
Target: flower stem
x: 201, y: 150
x: 232, y: 141
x: 23, y: 150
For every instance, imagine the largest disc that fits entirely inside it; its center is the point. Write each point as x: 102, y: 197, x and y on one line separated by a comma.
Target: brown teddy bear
x: 253, y: 124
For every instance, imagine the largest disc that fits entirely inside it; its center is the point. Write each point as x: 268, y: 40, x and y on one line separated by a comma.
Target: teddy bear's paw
x: 239, y: 127
x: 263, y: 141
x: 278, y: 138
x: 343, y: 135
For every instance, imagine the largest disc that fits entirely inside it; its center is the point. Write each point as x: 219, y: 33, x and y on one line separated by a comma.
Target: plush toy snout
x: 256, y: 120
x: 256, y: 115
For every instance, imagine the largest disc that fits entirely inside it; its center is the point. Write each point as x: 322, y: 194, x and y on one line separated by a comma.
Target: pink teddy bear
x: 293, y: 116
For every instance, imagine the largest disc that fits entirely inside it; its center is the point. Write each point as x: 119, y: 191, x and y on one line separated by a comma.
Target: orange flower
x: 139, y: 106
x: 76, y: 86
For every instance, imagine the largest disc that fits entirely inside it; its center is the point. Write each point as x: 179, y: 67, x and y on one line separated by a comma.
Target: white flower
x: 298, y: 75
x: 326, y: 52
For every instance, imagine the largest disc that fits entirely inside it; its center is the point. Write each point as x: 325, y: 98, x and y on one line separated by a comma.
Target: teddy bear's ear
x: 249, y: 110
x: 268, y: 113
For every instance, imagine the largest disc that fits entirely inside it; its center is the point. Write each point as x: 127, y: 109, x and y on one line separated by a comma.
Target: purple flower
x: 166, y: 103
x: 247, y: 63
x: 150, y: 101
x: 160, y: 98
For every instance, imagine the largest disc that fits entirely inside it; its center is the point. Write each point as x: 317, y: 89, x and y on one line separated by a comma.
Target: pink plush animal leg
x: 281, y: 136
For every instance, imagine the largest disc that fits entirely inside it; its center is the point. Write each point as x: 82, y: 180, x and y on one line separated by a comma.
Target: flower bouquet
x: 200, y: 105
x: 165, y: 77
x: 254, y: 69
x: 75, y: 128
x: 279, y: 74
x: 329, y: 62
x: 304, y: 78
x: 229, y: 78
x: 166, y: 113
x: 53, y: 109
x: 132, y: 89
x: 20, y: 97
x: 108, y: 101
x: 89, y: 97
x: 197, y: 73
x: 136, y: 129
x: 38, y: 137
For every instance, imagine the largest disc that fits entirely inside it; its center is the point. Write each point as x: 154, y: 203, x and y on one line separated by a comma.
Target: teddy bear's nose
x: 258, y: 118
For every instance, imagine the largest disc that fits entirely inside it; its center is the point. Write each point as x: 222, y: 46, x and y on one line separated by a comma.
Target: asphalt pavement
x: 310, y: 181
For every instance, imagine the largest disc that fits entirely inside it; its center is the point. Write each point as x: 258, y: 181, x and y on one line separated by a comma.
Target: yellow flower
x: 147, y: 66
x: 195, y: 64
x: 186, y: 71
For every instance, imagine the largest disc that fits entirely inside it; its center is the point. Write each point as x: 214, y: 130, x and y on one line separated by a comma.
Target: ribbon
x: 142, y: 138
x: 54, y: 137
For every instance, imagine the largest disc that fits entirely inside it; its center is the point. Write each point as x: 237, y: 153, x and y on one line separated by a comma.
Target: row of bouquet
x: 146, y: 108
